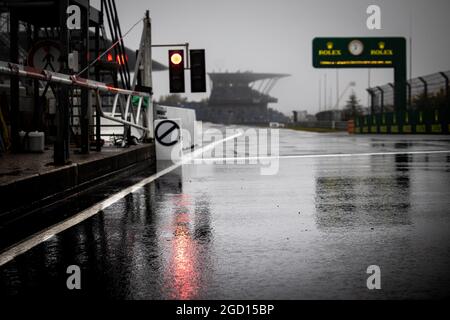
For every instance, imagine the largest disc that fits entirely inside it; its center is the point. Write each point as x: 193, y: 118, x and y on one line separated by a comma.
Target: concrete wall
x: 323, y: 124
x: 43, y: 188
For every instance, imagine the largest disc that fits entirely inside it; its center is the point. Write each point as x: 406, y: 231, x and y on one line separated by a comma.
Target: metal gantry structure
x: 81, y: 101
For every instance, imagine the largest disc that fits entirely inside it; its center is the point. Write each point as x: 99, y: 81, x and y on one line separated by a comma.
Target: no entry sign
x: 168, y: 139
x: 167, y: 133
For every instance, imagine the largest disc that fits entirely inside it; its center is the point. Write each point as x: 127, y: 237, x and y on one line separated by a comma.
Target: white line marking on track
x: 42, y: 236
x: 336, y: 155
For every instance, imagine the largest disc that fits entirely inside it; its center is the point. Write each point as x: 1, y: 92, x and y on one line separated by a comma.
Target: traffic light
x: 198, y: 76
x: 176, y: 71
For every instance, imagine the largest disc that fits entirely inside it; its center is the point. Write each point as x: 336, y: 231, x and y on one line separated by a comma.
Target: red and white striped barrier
x: 48, y: 76
x: 13, y: 69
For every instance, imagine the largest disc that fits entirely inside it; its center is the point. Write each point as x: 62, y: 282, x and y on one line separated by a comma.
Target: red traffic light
x: 176, y: 58
x: 176, y: 71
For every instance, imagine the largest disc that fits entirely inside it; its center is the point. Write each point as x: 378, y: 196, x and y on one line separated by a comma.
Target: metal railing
x: 431, y: 91
x: 123, y: 108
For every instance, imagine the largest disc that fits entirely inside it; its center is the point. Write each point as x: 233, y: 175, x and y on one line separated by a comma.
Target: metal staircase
x: 117, y: 74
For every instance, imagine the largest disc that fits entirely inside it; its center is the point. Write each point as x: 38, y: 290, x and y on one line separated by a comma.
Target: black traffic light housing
x: 198, y: 74
x: 176, y: 71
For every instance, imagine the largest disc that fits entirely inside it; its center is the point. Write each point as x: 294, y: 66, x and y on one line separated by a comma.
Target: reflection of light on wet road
x: 183, y: 256
x: 206, y: 230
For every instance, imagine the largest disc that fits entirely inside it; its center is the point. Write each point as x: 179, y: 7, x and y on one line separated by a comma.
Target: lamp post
x: 349, y: 85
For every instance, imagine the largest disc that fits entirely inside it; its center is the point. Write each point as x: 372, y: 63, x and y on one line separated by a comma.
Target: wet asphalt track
x: 225, y: 231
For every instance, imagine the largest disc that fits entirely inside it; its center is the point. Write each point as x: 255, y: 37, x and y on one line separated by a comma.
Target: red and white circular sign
x: 45, y: 55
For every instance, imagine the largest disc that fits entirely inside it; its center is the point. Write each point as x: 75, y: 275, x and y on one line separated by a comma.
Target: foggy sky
x: 276, y: 36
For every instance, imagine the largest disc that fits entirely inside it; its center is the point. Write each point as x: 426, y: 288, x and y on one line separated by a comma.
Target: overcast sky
x: 276, y: 35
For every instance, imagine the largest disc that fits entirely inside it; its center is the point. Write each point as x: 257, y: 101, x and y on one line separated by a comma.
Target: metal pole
x: 368, y: 86
x: 38, y: 105
x: 148, y: 71
x: 425, y: 90
x: 410, y: 41
x: 342, y: 94
x: 184, y: 45
x: 330, y: 97
x: 382, y: 99
x: 14, y: 81
x: 320, y: 93
x: 447, y: 88
x: 61, y: 151
x: 337, y: 89
x: 393, y: 87
x: 144, y: 61
x: 372, y: 99
x: 325, y: 93
x: 187, y: 56
x: 139, y: 59
x: 400, y: 70
x: 112, y: 24
x: 408, y: 86
x: 98, y: 145
x: 122, y: 45
x: 86, y: 112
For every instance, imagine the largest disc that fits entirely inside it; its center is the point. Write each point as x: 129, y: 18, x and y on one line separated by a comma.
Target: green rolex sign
x: 364, y: 52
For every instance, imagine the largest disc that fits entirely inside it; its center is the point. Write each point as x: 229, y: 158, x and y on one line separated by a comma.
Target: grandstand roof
x: 246, y: 77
